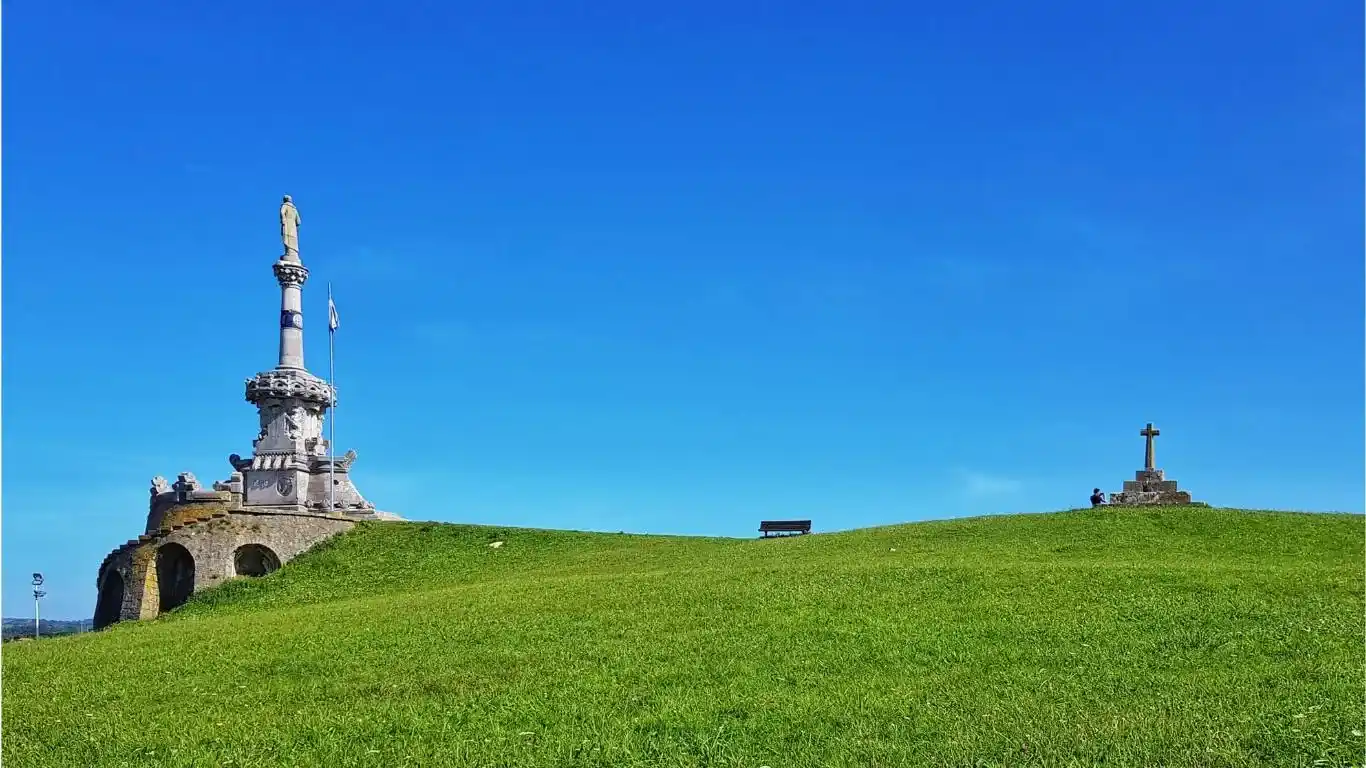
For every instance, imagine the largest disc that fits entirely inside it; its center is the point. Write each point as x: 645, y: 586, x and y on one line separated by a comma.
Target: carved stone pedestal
x: 290, y: 466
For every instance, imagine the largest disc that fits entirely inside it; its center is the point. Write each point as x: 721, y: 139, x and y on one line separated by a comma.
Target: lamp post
x: 38, y: 594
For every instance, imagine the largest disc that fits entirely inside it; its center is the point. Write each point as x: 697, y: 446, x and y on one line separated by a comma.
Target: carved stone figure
x: 289, y: 226
x: 160, y: 486
x: 265, y: 415
x: 294, y: 420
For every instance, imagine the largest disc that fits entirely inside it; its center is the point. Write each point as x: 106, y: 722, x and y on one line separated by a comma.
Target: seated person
x: 1097, y: 498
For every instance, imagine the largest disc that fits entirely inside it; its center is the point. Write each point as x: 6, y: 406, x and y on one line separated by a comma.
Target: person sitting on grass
x: 1097, y: 498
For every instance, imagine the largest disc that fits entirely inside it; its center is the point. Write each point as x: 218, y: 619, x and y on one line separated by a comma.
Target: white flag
x: 331, y: 315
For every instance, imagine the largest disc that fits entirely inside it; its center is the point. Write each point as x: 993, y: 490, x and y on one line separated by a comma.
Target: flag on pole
x: 331, y: 314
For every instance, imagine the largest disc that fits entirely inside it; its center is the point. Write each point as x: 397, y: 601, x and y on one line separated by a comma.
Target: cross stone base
x: 1150, y: 487
x: 1150, y: 498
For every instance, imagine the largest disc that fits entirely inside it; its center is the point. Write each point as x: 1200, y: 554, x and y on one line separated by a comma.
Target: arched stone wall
x: 214, y: 544
x: 254, y: 560
x: 203, y: 553
x: 109, y: 606
x: 175, y: 575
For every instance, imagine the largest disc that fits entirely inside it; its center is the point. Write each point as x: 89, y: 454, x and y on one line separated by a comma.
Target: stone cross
x: 1149, y: 433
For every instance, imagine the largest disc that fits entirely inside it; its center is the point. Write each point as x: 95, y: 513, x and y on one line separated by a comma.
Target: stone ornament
x: 160, y: 486
x: 282, y: 384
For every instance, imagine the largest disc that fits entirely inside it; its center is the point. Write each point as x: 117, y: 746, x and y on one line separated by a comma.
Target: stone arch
x: 175, y: 575
x: 109, y: 605
x: 255, y: 560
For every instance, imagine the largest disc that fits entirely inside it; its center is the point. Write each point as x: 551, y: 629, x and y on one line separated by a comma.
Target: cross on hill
x: 1149, y: 433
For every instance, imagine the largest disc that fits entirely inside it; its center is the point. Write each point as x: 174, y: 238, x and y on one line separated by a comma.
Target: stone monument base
x: 1150, y: 488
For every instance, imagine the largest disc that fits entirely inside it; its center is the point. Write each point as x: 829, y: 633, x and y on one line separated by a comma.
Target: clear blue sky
x: 619, y: 266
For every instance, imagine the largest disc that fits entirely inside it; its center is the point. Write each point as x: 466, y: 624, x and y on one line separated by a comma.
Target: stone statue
x: 289, y: 226
x: 159, y: 485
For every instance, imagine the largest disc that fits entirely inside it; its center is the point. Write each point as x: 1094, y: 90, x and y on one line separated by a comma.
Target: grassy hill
x: 1171, y: 637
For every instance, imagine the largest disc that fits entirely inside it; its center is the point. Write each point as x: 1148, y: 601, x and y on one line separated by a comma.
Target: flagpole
x: 332, y: 383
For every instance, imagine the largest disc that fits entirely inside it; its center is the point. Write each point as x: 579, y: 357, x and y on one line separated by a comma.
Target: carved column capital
x: 290, y: 273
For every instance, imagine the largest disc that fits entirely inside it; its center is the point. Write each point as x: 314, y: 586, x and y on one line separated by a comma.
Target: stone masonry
x: 288, y: 497
x: 1150, y: 486
x: 209, y: 543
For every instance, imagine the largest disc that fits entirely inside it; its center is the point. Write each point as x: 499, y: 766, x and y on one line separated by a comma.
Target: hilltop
x: 1174, y: 637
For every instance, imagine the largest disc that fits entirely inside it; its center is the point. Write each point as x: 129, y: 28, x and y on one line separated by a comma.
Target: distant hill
x: 1177, y: 637
x: 12, y: 629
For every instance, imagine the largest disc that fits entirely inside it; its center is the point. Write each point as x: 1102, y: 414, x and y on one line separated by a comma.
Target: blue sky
x: 622, y: 266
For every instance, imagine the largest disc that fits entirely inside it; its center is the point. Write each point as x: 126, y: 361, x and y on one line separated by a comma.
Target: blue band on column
x: 291, y: 319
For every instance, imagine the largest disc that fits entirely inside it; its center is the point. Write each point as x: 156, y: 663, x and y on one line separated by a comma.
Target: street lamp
x: 38, y: 594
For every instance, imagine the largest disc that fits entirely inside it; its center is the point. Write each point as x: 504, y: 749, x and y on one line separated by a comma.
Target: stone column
x: 291, y: 273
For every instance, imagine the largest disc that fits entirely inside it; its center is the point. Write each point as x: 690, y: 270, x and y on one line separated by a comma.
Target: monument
x: 291, y: 494
x: 1150, y: 485
x: 292, y: 465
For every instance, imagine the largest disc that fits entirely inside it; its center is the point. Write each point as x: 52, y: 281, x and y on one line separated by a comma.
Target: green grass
x: 1119, y: 637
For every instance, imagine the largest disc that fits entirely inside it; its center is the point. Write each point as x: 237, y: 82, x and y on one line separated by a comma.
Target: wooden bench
x: 784, y: 527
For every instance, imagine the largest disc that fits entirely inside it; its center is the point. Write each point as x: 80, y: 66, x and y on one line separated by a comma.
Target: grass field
x: 1165, y: 637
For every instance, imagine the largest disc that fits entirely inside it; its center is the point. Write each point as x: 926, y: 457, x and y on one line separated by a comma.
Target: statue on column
x: 289, y: 226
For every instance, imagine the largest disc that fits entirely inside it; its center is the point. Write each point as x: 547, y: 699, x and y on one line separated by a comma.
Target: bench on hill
x: 784, y: 527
